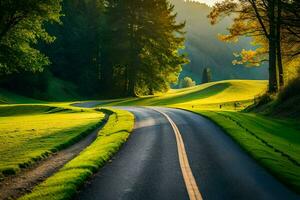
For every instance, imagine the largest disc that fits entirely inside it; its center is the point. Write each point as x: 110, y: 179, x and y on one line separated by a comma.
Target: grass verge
x: 64, y: 184
x: 275, y: 144
x: 30, y: 133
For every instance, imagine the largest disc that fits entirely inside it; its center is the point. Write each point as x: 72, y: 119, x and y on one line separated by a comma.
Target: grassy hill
x: 28, y: 88
x: 206, y: 96
x: 9, y: 97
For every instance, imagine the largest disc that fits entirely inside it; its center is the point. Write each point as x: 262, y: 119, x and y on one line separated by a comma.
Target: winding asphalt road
x: 148, y: 165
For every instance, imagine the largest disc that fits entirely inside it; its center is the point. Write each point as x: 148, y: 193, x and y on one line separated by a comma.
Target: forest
x: 111, y: 48
x: 121, y: 48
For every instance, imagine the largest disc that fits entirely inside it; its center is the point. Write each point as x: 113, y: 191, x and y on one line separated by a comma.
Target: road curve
x: 148, y: 167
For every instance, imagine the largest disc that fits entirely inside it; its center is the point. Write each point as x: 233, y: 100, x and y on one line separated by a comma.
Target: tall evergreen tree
x: 115, y: 48
x: 148, y: 39
x: 206, y: 76
x: 161, y: 61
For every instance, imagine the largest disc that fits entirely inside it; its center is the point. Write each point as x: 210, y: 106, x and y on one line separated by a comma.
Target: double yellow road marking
x: 189, y: 179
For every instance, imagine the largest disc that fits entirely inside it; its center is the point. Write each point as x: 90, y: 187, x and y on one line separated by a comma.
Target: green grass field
x: 31, y: 132
x: 64, y: 184
x: 274, y: 143
x: 206, y: 96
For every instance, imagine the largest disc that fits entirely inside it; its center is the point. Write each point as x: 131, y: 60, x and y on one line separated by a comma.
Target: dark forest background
x: 75, y: 69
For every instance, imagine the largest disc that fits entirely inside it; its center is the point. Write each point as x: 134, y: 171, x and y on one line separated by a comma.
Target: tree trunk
x: 131, y: 84
x: 273, y: 83
x: 106, y: 71
x: 132, y: 67
x: 278, y: 40
x: 131, y: 81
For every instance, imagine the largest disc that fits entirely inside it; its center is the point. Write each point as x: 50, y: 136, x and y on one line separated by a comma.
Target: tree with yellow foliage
x: 274, y: 27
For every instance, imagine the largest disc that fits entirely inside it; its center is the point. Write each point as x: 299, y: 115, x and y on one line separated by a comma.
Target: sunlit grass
x: 29, y: 133
x: 275, y: 144
x: 63, y: 184
x: 205, y: 96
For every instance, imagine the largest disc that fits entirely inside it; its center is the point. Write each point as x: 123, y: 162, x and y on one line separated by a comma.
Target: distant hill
x: 204, y: 48
x: 208, y: 96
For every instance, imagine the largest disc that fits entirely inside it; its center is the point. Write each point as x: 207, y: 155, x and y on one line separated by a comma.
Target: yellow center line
x: 189, y: 179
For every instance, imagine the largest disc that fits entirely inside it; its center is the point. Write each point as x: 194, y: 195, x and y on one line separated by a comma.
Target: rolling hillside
x: 206, y: 96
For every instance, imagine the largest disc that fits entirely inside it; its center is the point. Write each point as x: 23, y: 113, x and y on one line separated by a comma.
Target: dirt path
x: 20, y: 184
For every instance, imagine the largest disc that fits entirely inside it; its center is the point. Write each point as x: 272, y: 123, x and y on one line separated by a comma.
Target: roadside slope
x: 273, y: 143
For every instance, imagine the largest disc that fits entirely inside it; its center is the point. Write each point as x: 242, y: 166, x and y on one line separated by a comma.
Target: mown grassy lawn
x: 64, y: 184
x: 29, y: 133
x: 274, y: 143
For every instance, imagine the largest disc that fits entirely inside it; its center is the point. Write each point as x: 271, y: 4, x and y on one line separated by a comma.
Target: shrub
x: 187, y: 82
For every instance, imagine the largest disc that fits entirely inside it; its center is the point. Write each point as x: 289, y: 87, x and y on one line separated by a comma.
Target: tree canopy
x: 22, y: 26
x: 274, y: 27
x: 110, y: 47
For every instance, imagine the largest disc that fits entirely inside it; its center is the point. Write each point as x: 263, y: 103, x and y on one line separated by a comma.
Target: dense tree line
x: 274, y: 26
x: 75, y: 53
x: 126, y: 47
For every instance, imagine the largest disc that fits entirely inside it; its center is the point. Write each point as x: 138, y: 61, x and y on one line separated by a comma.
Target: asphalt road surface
x: 151, y: 164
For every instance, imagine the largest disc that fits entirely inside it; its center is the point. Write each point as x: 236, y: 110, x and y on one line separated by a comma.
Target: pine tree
x: 146, y: 39
x: 161, y: 59
x: 206, y: 76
